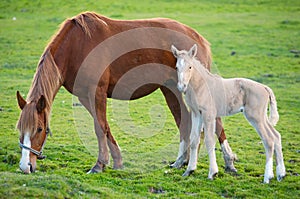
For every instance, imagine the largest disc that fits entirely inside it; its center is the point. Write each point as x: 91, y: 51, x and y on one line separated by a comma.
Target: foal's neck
x: 202, y: 77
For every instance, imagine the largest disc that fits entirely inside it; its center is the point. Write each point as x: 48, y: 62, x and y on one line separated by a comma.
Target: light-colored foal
x: 209, y: 96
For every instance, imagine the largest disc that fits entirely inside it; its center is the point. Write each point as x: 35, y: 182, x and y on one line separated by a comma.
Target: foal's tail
x: 274, y: 116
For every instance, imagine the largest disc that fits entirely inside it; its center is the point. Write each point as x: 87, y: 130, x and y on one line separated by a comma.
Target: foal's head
x: 184, y: 66
x: 33, y: 127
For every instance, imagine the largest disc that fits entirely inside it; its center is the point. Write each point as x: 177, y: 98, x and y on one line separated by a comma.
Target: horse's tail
x: 274, y: 116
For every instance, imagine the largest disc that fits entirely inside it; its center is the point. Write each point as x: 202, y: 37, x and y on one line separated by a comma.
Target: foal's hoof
x: 280, y: 177
x: 187, y: 173
x: 213, y: 176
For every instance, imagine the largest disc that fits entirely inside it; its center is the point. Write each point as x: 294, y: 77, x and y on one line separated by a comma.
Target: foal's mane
x: 202, y: 68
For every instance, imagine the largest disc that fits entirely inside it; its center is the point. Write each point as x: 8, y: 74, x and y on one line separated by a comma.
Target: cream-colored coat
x: 209, y: 96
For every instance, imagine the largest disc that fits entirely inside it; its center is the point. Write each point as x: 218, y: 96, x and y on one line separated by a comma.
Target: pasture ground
x: 257, y: 39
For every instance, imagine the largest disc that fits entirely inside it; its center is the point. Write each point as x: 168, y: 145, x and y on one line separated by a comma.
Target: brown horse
x: 89, y: 56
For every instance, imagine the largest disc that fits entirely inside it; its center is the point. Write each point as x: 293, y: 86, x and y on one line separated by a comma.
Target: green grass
x: 262, y: 34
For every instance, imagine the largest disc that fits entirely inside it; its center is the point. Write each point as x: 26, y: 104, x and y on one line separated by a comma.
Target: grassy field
x: 257, y: 39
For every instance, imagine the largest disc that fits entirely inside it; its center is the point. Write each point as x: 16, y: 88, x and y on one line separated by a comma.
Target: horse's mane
x: 47, y: 78
x: 46, y: 81
x: 83, y: 21
x: 201, y: 67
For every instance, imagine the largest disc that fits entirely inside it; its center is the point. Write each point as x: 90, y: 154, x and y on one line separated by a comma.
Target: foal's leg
x: 228, y: 155
x: 209, y: 129
x: 182, y: 118
x: 194, y: 142
x: 259, y: 122
x: 280, y: 168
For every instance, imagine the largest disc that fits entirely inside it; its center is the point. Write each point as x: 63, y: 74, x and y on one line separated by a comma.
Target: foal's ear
x: 174, y: 51
x: 41, y: 104
x: 193, y: 51
x: 22, y: 103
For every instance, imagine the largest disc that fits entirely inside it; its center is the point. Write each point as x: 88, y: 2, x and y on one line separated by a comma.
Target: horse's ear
x: 174, y: 51
x: 22, y: 103
x: 193, y: 51
x: 41, y: 104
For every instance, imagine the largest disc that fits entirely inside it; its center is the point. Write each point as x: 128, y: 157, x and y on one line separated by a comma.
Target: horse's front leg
x: 194, y: 142
x: 209, y: 129
x: 113, y: 146
x: 182, y: 118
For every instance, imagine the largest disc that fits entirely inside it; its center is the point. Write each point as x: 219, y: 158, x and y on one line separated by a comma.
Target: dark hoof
x: 280, y: 177
x: 98, y: 168
x: 178, y: 164
x: 213, y: 176
x: 187, y: 173
x: 92, y: 171
x: 230, y: 170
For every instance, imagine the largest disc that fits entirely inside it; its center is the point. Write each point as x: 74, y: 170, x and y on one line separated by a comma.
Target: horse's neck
x: 203, y: 79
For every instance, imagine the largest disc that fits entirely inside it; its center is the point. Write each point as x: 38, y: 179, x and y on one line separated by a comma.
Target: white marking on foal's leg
x: 194, y: 143
x: 280, y: 171
x: 24, y: 162
x: 213, y: 167
x: 269, y: 171
x: 193, y: 155
x: 280, y: 168
x: 210, y: 146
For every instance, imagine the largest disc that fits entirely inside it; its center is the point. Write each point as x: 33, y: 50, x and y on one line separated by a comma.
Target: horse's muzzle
x: 181, y: 87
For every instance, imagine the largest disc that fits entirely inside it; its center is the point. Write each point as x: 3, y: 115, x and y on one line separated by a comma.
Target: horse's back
x: 109, y: 49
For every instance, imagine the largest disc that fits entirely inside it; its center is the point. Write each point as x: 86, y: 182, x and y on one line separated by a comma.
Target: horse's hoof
x: 178, y: 164
x: 118, y: 167
x: 92, y: 171
x: 175, y: 165
x: 267, y: 179
x: 280, y: 177
x: 230, y: 169
x: 98, y: 168
x: 187, y: 173
x: 213, y: 176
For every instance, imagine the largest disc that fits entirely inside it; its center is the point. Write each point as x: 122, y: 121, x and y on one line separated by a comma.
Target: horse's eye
x: 176, y: 68
x: 190, y: 67
x: 39, y: 130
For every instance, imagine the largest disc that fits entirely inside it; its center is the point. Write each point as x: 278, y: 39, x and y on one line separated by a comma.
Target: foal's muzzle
x: 181, y: 87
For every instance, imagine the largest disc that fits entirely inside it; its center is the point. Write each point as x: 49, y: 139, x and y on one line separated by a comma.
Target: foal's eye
x: 190, y: 67
x: 176, y: 68
x: 39, y: 130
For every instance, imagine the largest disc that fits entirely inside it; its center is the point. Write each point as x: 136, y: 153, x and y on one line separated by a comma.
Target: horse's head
x: 33, y: 127
x: 184, y: 66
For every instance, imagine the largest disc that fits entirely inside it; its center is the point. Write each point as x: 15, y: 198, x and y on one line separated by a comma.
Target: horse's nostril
x: 31, y: 169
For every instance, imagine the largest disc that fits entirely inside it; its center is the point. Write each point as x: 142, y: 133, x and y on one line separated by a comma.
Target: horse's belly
x: 128, y: 92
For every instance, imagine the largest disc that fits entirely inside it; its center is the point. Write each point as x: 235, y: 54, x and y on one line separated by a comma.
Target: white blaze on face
x: 25, y: 161
x: 180, y: 65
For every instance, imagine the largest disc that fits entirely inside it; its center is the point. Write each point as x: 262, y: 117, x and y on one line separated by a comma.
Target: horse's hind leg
x: 228, y: 155
x: 280, y: 168
x: 260, y: 124
x: 182, y: 118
